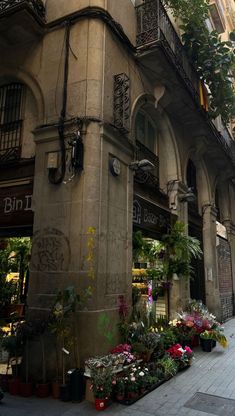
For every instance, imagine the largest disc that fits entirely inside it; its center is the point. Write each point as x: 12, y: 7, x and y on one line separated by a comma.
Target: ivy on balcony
x: 213, y: 58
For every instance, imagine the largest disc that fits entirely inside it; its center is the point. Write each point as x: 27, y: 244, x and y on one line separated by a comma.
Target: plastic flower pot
x: 65, y: 393
x: 4, y: 381
x: 206, y: 344
x: 55, y: 389
x: 101, y: 404
x: 213, y: 343
x: 26, y: 389
x: 43, y: 390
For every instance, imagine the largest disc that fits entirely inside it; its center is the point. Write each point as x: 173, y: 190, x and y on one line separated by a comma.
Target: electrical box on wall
x: 52, y: 160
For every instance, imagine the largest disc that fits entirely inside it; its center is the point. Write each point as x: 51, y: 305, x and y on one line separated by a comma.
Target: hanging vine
x: 213, y: 58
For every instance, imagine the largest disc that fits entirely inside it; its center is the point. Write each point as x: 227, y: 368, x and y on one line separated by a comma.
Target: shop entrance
x: 16, y: 228
x: 150, y: 223
x: 14, y: 276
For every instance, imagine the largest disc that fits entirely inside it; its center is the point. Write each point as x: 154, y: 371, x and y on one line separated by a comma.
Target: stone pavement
x: 211, y: 373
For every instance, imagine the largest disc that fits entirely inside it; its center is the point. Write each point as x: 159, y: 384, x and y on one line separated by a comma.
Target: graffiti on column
x: 51, y: 251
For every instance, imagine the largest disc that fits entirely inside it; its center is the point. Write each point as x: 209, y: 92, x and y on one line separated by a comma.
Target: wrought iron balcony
x: 37, y: 6
x: 154, y: 28
x: 21, y: 21
x: 150, y: 179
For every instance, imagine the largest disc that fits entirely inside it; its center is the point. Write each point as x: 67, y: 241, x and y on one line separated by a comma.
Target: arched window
x: 192, y: 176
x: 217, y: 205
x: 145, y: 131
x: 11, y: 98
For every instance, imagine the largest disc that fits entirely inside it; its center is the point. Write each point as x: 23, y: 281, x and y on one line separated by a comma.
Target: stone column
x: 209, y: 213
x: 179, y: 294
x: 230, y: 227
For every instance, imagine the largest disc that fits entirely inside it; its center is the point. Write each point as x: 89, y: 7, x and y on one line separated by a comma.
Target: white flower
x: 141, y: 374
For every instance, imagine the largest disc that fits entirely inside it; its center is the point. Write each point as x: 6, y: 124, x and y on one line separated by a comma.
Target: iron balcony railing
x: 154, y: 26
x: 36, y: 5
x: 10, y: 140
x: 151, y: 178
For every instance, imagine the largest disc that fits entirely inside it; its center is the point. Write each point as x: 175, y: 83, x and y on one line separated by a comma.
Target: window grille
x: 10, y: 120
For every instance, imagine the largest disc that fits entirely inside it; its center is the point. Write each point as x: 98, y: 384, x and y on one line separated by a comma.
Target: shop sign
x: 16, y: 205
x: 150, y: 216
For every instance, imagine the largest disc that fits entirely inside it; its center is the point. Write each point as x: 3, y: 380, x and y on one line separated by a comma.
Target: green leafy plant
x: 169, y: 366
x: 179, y: 250
x: 120, y: 386
x: 101, y: 382
x: 62, y: 325
x: 167, y: 339
x: 206, y: 335
x: 213, y: 58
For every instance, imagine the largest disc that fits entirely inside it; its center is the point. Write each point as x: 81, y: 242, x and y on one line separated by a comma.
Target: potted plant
x: 150, y: 340
x: 206, y: 341
x: 120, y: 388
x: 40, y: 326
x: 169, y: 366
x: 182, y: 356
x: 25, y: 331
x: 155, y: 294
x: 12, y: 344
x: 132, y: 387
x: 101, y: 385
x: 179, y: 248
x: 62, y: 327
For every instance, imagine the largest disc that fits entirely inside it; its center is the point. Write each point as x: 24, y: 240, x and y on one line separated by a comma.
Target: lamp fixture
x: 189, y: 196
x: 144, y: 165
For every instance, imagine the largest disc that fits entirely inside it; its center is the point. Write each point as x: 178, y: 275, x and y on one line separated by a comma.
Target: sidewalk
x: 211, y: 373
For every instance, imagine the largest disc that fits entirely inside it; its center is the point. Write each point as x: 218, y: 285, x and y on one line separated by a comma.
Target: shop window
x: 11, y: 96
x: 146, y: 132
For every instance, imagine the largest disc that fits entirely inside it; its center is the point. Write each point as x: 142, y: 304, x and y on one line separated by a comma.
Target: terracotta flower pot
x: 195, y: 341
x: 132, y: 395
x: 100, y: 404
x: 26, y: 389
x: 120, y: 397
x: 14, y: 386
x: 43, y: 390
x: 55, y: 389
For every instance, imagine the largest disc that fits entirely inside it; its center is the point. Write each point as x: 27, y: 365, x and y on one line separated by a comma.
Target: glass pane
x: 151, y: 138
x: 140, y: 128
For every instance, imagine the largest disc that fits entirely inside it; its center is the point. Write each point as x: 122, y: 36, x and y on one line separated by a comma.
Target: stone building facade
x: 87, y: 88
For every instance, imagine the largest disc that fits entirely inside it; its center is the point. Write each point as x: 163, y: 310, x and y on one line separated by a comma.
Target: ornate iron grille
x: 36, y: 5
x: 121, y: 105
x: 10, y: 121
x: 154, y: 25
x: 149, y: 178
